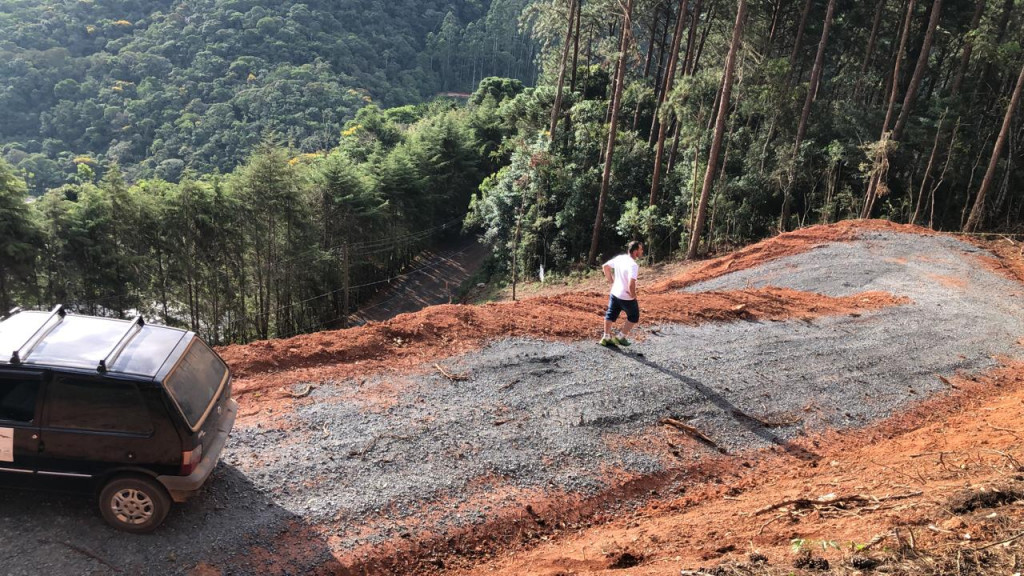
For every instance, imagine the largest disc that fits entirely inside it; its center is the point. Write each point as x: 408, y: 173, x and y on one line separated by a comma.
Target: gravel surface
x: 535, y: 415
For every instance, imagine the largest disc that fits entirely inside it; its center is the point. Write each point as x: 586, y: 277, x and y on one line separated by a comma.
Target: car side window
x: 85, y: 404
x: 18, y: 399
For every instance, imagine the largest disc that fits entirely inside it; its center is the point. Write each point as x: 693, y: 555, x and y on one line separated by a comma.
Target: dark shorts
x: 616, y: 305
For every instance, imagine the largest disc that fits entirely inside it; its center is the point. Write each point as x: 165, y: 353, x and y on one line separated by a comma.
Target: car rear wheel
x: 134, y: 504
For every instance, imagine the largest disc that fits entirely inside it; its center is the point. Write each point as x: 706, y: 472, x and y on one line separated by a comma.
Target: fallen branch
x: 929, y: 454
x: 1013, y: 461
x: 765, y: 525
x: 448, y: 375
x: 874, y: 541
x: 1007, y: 541
x: 851, y: 499
x: 1007, y: 430
x: 692, y: 431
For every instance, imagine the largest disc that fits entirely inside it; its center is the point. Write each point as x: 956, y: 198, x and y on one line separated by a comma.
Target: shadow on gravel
x: 229, y: 527
x: 752, y: 424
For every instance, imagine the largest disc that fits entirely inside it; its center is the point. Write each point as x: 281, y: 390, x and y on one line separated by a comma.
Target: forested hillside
x: 164, y: 86
x: 691, y: 124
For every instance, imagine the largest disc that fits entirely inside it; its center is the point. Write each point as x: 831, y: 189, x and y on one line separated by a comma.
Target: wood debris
x: 449, y: 375
x: 858, y: 499
x: 691, y: 431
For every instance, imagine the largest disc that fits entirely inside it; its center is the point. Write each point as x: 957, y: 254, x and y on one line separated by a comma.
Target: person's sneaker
x: 621, y: 341
x: 606, y: 341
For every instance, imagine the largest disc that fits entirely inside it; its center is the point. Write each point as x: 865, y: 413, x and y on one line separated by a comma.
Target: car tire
x: 134, y: 504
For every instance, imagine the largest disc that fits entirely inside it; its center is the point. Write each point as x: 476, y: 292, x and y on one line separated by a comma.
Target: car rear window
x: 195, y: 381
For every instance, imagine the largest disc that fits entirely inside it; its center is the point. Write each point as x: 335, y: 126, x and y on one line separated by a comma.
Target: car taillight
x: 190, y: 460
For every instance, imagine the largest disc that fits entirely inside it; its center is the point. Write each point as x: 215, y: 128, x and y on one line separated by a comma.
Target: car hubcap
x: 132, y: 506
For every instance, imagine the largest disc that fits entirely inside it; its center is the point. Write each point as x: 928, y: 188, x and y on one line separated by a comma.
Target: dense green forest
x: 165, y: 86
x: 695, y: 125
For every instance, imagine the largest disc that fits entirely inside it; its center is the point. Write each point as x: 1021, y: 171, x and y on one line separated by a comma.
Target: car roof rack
x: 122, y: 343
x: 22, y: 352
x: 11, y: 312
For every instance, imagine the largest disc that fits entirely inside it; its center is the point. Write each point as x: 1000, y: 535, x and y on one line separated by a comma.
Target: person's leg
x: 632, y: 309
x: 627, y: 328
x: 614, y: 308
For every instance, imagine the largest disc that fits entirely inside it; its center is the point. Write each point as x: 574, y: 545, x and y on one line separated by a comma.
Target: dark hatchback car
x: 138, y: 413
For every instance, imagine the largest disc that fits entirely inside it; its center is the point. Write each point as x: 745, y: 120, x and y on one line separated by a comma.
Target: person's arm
x: 634, y: 272
x: 608, y: 273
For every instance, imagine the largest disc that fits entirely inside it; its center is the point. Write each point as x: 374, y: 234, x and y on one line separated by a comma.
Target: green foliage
x: 326, y: 194
x: 19, y: 237
x: 165, y: 86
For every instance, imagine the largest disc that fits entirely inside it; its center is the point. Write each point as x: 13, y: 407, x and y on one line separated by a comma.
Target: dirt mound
x: 784, y: 245
x: 408, y: 340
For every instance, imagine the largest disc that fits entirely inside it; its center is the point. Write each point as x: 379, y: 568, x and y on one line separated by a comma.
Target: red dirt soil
x: 967, y: 440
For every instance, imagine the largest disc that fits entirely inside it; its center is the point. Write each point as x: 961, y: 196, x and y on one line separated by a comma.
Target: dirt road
x: 439, y: 438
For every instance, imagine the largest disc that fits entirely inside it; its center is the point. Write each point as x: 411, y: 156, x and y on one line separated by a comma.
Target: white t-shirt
x: 624, y: 269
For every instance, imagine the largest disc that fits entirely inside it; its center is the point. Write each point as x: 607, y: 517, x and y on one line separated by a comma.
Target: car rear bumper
x: 182, y: 488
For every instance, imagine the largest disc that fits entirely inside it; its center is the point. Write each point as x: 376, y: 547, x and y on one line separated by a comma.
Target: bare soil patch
x: 937, y: 490
x: 904, y: 494
x: 843, y: 399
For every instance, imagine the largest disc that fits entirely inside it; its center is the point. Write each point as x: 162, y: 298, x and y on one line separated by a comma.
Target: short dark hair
x: 634, y: 246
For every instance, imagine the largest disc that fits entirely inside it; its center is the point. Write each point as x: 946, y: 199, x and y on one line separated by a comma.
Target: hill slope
x: 163, y: 86
x: 436, y: 440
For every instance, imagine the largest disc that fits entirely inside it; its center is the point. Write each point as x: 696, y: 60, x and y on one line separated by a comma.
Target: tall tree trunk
x: 812, y: 91
x: 662, y: 49
x: 716, y: 143
x: 942, y: 175
x: 965, y: 56
x: 869, y: 196
x: 670, y: 76
x: 703, y: 38
x: 576, y: 48
x: 799, y: 40
x: 654, y: 34
x: 606, y: 175
x: 922, y: 64
x: 346, y: 285
x: 977, y: 217
x: 556, y: 110
x: 776, y: 11
x: 675, y: 147
x: 928, y: 168
x: 691, y: 38
x: 873, y: 39
x: 658, y: 83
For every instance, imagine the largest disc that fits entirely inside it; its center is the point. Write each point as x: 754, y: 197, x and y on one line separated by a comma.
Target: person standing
x: 621, y: 272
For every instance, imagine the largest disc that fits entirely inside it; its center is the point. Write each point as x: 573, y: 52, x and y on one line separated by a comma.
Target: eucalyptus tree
x: 19, y: 239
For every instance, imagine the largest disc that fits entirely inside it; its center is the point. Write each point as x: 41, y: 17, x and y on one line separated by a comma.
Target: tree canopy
x: 173, y: 85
